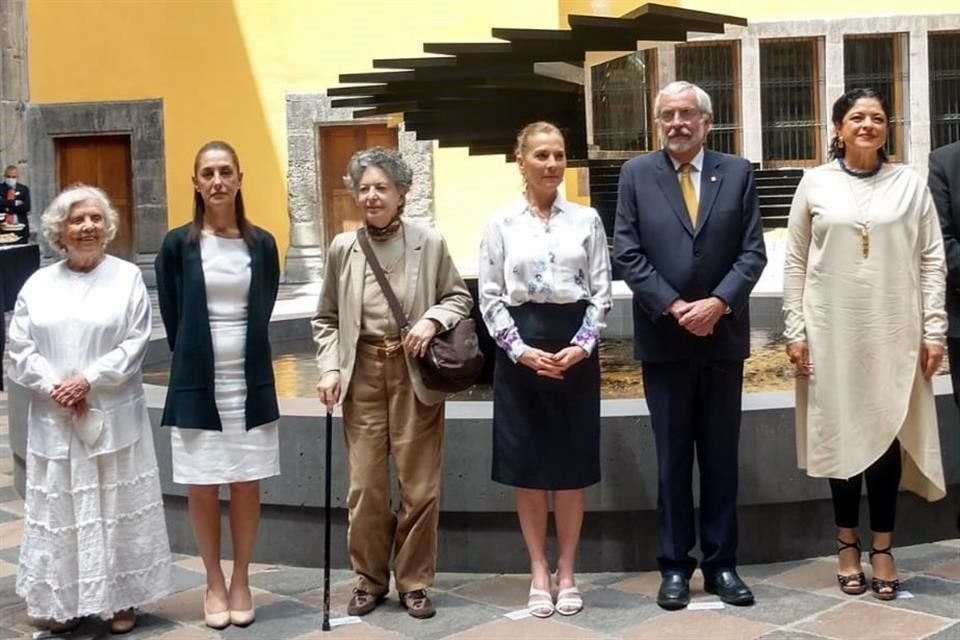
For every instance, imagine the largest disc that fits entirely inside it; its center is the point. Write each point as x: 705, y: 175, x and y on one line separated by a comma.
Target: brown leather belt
x: 382, y: 350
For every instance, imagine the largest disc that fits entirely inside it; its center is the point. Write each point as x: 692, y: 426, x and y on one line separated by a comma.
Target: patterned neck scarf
x: 379, y: 234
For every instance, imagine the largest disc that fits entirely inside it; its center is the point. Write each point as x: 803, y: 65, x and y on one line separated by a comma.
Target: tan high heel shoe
x: 217, y: 619
x: 243, y: 617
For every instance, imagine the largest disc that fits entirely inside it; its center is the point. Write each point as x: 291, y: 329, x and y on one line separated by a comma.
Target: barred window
x: 791, y: 84
x: 715, y: 67
x: 944, y: 53
x: 879, y: 62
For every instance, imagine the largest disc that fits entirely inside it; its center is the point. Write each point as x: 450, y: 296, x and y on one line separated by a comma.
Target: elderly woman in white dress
x: 94, y: 537
x: 863, y: 297
x: 217, y: 280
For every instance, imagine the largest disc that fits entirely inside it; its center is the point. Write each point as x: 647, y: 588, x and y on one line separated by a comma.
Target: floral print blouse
x: 562, y: 260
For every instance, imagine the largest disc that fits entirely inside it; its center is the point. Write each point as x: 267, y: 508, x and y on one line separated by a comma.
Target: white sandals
x: 540, y: 603
x: 569, y: 601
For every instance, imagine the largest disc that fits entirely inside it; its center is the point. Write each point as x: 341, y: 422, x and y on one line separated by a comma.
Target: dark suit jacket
x: 662, y: 257
x: 183, y: 305
x: 944, y: 181
x: 11, y: 206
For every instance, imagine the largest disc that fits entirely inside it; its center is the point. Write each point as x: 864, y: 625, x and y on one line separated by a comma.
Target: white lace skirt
x: 94, y: 537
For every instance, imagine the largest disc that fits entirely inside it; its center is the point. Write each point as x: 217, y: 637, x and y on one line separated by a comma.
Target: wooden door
x: 337, y: 146
x: 102, y: 161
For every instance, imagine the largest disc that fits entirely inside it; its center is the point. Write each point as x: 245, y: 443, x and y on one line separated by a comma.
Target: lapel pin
x: 713, y: 178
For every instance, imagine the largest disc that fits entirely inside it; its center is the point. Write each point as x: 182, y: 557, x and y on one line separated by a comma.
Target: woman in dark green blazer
x: 217, y: 279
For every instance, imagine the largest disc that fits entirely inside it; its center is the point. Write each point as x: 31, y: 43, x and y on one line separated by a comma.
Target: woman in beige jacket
x: 369, y: 364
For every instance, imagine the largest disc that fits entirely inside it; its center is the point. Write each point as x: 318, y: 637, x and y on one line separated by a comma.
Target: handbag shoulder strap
x: 385, y: 287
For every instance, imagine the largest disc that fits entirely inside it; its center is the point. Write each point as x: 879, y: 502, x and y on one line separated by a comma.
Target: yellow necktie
x: 689, y: 192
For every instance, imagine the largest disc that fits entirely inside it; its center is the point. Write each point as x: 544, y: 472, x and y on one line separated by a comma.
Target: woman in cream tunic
x: 865, y: 324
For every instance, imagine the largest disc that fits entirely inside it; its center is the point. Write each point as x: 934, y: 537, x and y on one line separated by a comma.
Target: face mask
x: 10, y: 182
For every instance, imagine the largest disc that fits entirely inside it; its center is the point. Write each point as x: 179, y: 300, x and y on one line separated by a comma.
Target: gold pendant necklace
x: 863, y: 222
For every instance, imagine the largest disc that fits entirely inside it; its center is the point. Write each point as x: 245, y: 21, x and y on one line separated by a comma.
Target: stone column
x: 750, y: 115
x: 14, y: 89
x: 918, y: 90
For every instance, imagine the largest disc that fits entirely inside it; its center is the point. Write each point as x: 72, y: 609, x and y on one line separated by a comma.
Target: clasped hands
x: 931, y: 355
x: 552, y: 365
x: 71, y: 393
x: 700, y: 316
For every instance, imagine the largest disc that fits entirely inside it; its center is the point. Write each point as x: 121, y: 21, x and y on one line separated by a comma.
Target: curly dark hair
x: 842, y: 106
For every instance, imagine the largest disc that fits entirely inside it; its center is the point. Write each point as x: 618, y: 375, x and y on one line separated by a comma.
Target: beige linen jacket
x: 434, y: 289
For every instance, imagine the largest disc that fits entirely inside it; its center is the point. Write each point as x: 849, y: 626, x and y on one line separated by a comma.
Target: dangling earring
x: 840, y: 143
x: 523, y: 182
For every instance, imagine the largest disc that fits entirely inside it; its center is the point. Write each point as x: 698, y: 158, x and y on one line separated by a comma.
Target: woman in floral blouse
x: 544, y: 292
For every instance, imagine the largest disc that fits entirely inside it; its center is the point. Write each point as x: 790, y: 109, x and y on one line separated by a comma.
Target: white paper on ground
x: 337, y: 622
x: 904, y: 595
x: 705, y: 604
x: 519, y: 614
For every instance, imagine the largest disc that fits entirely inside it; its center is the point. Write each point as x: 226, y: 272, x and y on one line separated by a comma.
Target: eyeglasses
x: 687, y: 114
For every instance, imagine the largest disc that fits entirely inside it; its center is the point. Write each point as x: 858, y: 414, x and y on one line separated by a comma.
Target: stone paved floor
x: 795, y: 601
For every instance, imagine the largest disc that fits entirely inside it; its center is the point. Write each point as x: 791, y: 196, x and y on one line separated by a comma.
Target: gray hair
x: 51, y: 221
x: 387, y: 160
x: 704, y: 104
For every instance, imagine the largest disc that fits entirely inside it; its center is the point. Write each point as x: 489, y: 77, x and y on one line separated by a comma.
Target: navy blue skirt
x: 546, y: 433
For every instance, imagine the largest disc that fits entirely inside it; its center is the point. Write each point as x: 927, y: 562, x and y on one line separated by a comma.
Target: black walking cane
x: 326, y: 522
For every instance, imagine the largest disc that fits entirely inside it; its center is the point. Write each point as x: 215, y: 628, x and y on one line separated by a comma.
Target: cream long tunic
x: 864, y: 320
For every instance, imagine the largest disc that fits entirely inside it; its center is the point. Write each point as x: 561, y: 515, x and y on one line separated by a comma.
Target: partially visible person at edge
x: 944, y: 183
x: 15, y: 201
x: 217, y: 280
x: 368, y: 364
x: 544, y: 283
x: 863, y: 290
x: 94, y: 537
x: 689, y: 243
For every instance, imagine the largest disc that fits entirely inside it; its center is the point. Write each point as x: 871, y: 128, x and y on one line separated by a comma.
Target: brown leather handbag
x: 453, y: 360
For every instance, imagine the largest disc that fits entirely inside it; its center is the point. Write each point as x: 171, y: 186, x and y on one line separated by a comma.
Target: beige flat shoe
x: 123, y: 621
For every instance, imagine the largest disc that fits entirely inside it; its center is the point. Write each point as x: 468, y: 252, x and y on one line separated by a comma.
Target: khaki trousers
x: 382, y: 418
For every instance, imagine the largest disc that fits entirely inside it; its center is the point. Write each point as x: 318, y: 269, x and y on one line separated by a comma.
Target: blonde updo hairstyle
x: 523, y: 140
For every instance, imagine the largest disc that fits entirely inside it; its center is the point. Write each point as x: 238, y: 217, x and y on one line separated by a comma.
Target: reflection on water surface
x: 766, y: 370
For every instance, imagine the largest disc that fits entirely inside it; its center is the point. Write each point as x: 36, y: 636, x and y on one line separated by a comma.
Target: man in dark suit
x: 944, y: 181
x: 689, y: 243
x: 15, y: 199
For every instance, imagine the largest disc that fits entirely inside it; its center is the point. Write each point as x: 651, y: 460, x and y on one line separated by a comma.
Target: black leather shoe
x: 674, y: 591
x: 728, y: 585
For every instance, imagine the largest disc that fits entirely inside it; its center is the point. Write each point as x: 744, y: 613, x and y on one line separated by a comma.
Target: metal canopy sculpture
x: 478, y: 95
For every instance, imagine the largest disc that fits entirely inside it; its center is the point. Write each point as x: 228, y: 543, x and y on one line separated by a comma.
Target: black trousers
x: 883, y: 482
x: 695, y: 408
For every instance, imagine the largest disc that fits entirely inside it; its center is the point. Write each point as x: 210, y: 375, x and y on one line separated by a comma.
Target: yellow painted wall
x: 223, y: 68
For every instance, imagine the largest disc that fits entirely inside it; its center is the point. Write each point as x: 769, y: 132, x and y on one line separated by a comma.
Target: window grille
x: 791, y: 84
x: 944, y: 56
x: 715, y: 67
x: 879, y: 62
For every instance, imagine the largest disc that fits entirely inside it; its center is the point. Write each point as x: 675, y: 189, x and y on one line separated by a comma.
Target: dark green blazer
x: 183, y: 306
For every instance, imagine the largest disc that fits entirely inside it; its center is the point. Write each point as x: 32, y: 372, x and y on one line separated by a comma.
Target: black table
x: 17, y: 263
